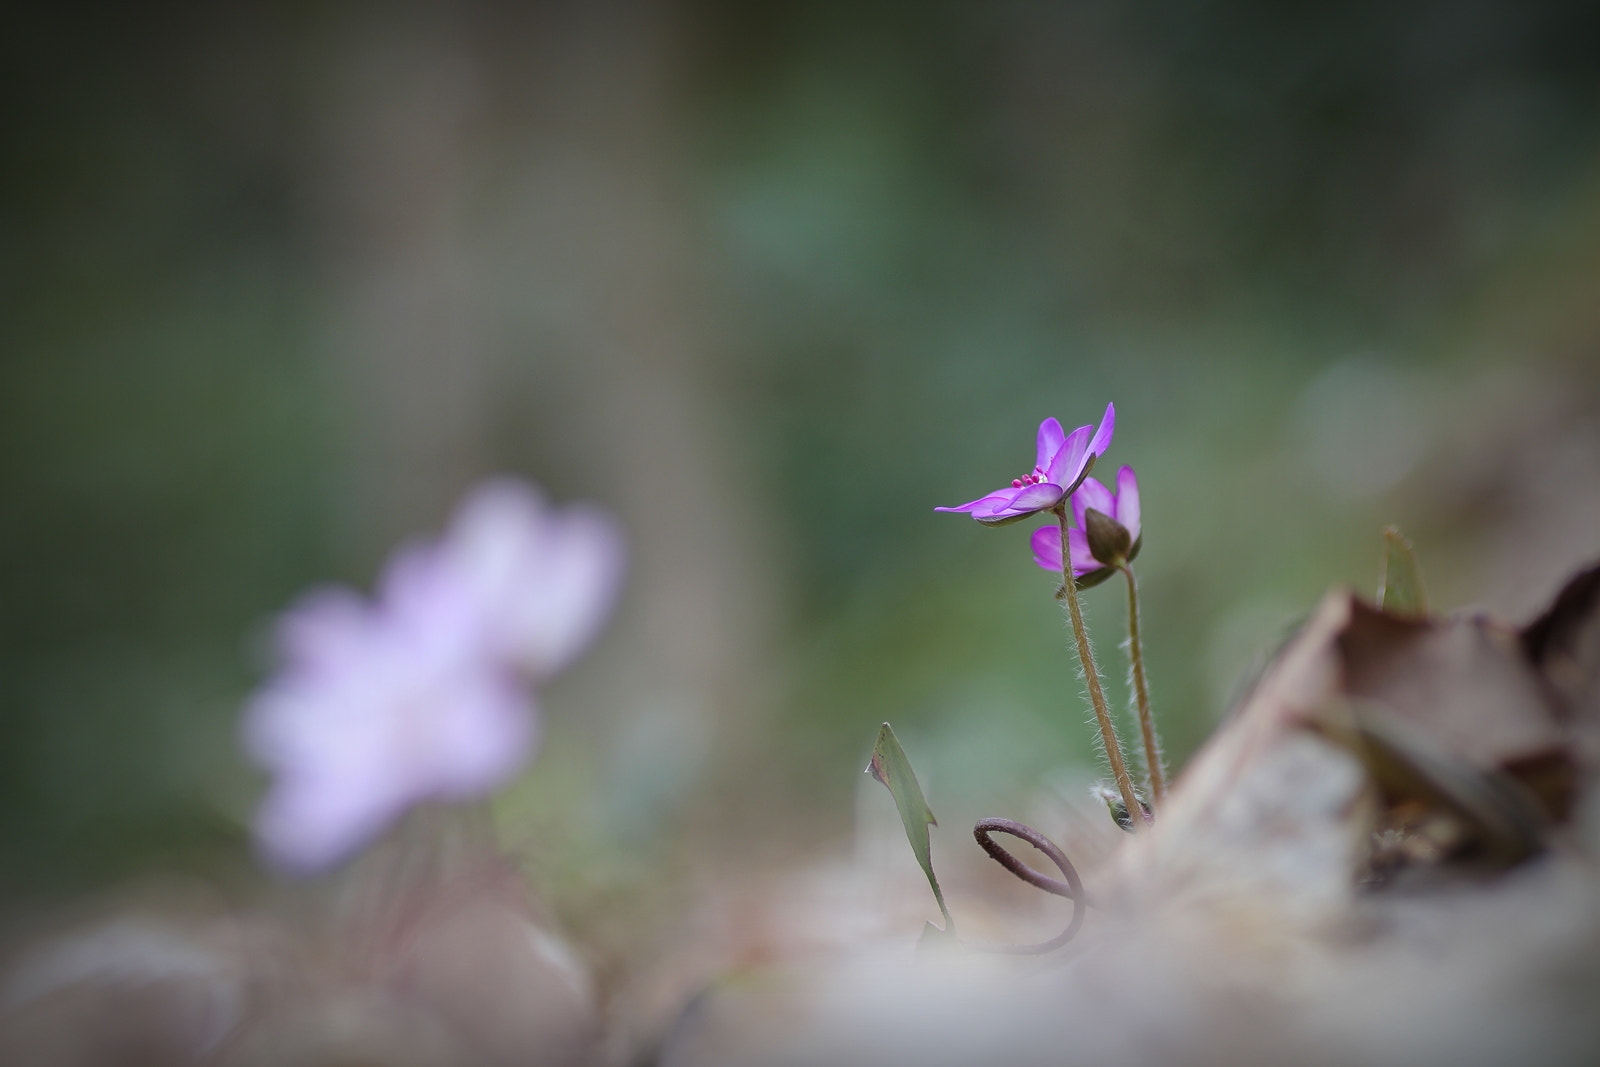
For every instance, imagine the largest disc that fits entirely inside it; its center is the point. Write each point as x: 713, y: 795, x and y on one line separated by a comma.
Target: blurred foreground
x: 1388, y: 855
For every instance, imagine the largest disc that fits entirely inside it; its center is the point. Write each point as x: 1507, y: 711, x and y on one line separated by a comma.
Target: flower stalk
x: 1091, y: 674
x: 1147, y: 723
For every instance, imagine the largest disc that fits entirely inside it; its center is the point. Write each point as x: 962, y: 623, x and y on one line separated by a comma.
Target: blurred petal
x: 493, y: 529
x: 310, y: 822
x: 1051, y: 437
x: 350, y: 753
x: 427, y: 607
x: 379, y: 706
x: 543, y: 580
x: 567, y: 591
x: 1127, y: 511
x: 324, y: 627
x: 485, y: 735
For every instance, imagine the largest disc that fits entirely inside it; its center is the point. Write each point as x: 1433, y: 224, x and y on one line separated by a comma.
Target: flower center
x: 1033, y: 479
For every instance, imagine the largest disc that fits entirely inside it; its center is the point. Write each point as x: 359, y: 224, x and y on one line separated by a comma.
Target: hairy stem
x: 1091, y: 674
x: 1147, y: 722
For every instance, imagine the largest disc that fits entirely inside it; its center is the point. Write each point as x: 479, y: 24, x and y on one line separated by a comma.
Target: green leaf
x: 891, y: 767
x: 1400, y: 590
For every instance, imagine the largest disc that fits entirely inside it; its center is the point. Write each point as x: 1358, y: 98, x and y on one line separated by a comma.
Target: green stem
x: 1147, y: 722
x: 1091, y: 674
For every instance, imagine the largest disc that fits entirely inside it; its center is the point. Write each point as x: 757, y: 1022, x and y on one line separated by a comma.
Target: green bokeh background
x: 1338, y: 265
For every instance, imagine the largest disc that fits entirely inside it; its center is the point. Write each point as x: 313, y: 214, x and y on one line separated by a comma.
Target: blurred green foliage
x: 928, y: 228
x: 940, y: 233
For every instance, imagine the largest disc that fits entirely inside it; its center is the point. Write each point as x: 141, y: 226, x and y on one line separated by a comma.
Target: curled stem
x: 1091, y: 674
x: 1147, y: 722
x: 1072, y: 888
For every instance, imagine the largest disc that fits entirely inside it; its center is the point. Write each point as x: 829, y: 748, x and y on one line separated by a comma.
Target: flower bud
x: 1109, y: 540
x: 1118, y: 808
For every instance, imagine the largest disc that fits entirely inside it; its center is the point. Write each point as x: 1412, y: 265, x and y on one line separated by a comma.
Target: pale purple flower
x: 545, y: 579
x: 425, y: 692
x: 1062, y: 461
x: 1122, y: 506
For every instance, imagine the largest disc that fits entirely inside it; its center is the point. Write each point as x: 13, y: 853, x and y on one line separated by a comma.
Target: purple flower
x: 1063, y: 461
x: 545, y: 580
x: 424, y: 693
x: 1119, y: 543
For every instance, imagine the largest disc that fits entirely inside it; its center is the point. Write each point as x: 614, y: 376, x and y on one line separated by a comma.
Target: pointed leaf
x: 1400, y: 592
x: 891, y: 767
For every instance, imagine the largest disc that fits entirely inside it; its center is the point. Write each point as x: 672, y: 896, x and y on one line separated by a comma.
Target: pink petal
x: 1128, y: 501
x: 1102, y: 436
x: 1067, y: 463
x: 1035, y: 497
x: 1051, y: 437
x: 1046, y: 544
x: 1092, y: 494
x: 985, y: 506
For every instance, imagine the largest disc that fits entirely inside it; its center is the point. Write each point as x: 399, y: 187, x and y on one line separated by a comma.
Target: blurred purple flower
x: 1122, y: 507
x: 1062, y: 461
x: 545, y: 580
x: 425, y: 693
